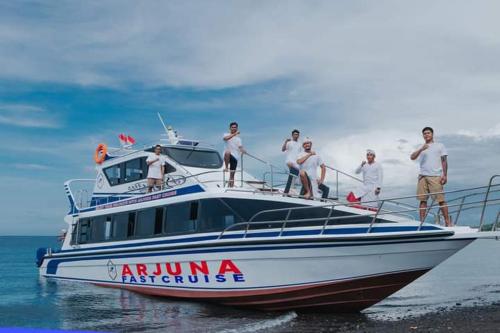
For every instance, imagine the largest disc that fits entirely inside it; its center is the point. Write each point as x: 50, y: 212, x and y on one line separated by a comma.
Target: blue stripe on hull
x: 54, y: 263
x: 336, y: 231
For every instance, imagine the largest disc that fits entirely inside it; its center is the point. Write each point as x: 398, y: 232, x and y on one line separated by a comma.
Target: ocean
x: 470, y: 278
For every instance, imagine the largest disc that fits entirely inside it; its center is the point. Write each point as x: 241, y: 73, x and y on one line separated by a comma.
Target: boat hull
x: 332, y: 276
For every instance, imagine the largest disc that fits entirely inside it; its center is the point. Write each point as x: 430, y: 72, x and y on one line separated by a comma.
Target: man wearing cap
x: 372, y: 171
x: 292, y: 147
x: 309, y: 163
x: 433, y: 175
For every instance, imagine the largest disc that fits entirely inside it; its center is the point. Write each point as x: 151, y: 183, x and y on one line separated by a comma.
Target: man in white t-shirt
x: 156, y: 169
x: 372, y: 180
x: 309, y: 163
x: 292, y: 147
x: 233, y: 150
x: 433, y: 175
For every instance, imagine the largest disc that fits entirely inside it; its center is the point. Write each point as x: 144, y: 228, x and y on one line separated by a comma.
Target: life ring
x: 100, y: 153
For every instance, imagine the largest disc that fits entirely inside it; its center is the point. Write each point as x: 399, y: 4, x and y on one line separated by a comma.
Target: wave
x: 265, y: 324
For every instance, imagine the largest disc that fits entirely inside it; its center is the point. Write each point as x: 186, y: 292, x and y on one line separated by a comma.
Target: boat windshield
x: 194, y: 157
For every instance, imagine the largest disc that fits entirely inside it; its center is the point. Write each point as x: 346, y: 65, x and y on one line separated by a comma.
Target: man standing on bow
x: 233, y: 150
x: 369, y: 192
x: 292, y: 147
x: 433, y: 175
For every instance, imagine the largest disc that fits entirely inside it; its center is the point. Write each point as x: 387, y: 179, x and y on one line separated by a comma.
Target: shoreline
x: 480, y: 318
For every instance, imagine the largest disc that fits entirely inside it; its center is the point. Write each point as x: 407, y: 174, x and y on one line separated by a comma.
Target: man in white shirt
x: 156, y: 169
x: 233, y: 150
x: 368, y: 193
x: 433, y: 174
x: 309, y: 163
x: 292, y: 147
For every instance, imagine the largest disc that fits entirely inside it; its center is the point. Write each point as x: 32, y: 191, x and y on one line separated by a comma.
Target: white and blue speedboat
x: 247, y: 246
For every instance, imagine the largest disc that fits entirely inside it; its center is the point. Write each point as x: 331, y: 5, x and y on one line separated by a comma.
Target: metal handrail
x: 285, y: 172
x: 326, y: 219
x: 481, y: 221
x: 140, y: 183
x: 376, y: 201
x: 344, y: 173
x: 474, y: 204
x: 494, y: 226
x: 337, y: 172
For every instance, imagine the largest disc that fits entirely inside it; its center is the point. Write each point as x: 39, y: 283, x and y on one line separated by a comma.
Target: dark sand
x: 482, y: 319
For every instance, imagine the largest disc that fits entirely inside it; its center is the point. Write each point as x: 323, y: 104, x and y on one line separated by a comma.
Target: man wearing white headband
x: 309, y: 163
x: 372, y: 171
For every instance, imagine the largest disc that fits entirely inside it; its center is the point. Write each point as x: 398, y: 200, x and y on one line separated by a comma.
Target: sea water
x: 471, y: 277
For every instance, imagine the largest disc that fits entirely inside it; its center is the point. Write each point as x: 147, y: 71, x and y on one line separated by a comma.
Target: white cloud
x: 471, y: 161
x: 352, y: 74
x: 31, y: 166
x: 382, y: 63
x: 22, y: 115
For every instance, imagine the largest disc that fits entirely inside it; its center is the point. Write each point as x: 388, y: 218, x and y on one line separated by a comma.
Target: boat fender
x: 40, y: 253
x: 100, y: 153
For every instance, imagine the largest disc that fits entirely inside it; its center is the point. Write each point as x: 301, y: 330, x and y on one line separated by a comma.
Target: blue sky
x: 351, y: 75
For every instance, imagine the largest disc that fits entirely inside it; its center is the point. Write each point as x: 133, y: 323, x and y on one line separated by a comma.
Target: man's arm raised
x: 305, y: 157
x: 230, y: 136
x: 283, y: 148
x: 417, y: 153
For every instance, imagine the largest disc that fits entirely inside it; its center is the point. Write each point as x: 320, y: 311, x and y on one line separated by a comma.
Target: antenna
x: 163, y: 124
x: 172, y: 136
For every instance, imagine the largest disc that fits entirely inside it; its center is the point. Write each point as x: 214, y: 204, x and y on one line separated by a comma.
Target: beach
x: 459, y: 319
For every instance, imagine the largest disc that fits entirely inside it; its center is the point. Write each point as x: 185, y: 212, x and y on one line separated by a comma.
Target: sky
x: 351, y: 75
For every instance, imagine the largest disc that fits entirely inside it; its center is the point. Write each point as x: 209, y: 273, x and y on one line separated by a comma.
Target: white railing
x: 375, y: 215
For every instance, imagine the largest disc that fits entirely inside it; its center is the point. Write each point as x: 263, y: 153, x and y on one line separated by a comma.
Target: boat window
x: 84, y: 231
x: 98, y: 228
x: 108, y: 227
x: 158, y: 220
x: 74, y: 230
x: 169, y: 168
x: 145, y: 225
x: 131, y: 171
x: 248, y: 208
x: 120, y: 225
x: 178, y: 218
x: 194, y: 157
x: 131, y: 224
x: 193, y: 210
x: 113, y: 173
x: 135, y: 169
x: 215, y: 216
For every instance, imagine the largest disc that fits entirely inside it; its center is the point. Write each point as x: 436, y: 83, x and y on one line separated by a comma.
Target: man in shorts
x: 232, y: 151
x: 156, y: 169
x: 433, y: 160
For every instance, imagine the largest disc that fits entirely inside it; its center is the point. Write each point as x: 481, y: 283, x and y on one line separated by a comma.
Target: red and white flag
x: 123, y: 139
x: 130, y: 140
x: 126, y: 140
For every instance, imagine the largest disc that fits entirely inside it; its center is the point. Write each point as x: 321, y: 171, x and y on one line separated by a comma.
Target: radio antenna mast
x: 171, y: 134
x: 163, y: 123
